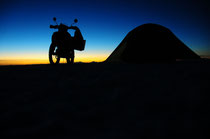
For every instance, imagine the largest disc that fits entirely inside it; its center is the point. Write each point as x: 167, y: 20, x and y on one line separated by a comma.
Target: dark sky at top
x: 25, y: 24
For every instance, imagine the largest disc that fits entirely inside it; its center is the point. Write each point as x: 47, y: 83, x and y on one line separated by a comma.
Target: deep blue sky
x: 25, y: 24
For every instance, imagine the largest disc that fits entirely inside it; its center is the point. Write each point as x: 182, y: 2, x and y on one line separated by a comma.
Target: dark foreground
x: 106, y: 101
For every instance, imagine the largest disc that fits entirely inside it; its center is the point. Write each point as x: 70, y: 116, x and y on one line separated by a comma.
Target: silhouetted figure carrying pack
x: 63, y: 44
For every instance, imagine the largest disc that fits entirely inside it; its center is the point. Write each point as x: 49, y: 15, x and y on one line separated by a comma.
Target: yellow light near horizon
x: 90, y: 57
x: 23, y: 56
x: 22, y: 62
x: 27, y: 59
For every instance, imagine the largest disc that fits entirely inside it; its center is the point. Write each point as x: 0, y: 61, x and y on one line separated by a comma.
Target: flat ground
x: 106, y: 101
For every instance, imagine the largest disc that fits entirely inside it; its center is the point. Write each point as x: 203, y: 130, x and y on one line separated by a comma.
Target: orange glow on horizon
x: 43, y: 59
x: 22, y: 62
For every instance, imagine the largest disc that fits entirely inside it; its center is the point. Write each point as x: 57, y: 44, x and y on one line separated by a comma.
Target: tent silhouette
x: 150, y: 42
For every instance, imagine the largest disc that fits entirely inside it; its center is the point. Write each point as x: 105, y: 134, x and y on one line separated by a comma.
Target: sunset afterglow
x: 25, y: 34
x: 35, y: 58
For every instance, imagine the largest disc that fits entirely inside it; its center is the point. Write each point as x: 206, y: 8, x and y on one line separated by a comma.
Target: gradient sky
x: 25, y: 32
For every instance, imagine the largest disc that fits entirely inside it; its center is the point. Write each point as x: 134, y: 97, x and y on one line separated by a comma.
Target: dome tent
x: 150, y: 42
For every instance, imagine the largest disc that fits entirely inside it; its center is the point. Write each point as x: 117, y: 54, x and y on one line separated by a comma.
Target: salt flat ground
x: 106, y: 101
